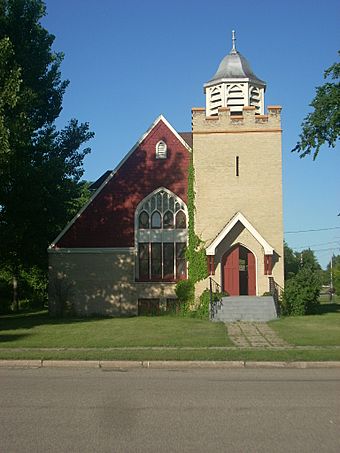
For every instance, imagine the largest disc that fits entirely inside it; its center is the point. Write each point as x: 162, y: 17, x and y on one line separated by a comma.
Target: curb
x: 171, y: 364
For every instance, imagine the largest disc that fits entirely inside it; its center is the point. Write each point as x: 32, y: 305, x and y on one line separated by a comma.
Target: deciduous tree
x: 40, y: 167
x: 322, y: 125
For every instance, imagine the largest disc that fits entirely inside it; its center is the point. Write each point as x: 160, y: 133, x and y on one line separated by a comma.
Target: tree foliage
x: 294, y: 261
x: 40, y: 167
x: 291, y: 262
x: 301, y: 293
x: 335, y: 274
x: 9, y: 87
x: 336, y: 279
x: 322, y: 125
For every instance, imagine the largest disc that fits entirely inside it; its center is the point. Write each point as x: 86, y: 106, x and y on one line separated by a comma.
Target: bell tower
x: 238, y: 180
x: 234, y: 85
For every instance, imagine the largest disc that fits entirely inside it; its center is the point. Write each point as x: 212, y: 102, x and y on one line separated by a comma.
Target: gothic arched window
x: 181, y: 221
x: 168, y: 220
x: 156, y: 220
x: 161, y: 235
x: 143, y: 220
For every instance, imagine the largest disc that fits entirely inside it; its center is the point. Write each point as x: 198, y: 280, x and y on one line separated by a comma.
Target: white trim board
x: 100, y: 188
x: 239, y: 217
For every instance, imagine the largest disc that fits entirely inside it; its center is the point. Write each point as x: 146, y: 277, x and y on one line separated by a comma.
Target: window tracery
x: 161, y: 233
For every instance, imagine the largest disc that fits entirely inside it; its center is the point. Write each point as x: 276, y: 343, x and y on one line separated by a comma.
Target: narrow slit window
x: 237, y: 167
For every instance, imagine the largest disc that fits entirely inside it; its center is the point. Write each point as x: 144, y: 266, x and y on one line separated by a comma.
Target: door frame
x: 224, y: 258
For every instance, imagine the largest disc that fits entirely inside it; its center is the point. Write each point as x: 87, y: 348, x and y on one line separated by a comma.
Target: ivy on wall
x: 197, y: 261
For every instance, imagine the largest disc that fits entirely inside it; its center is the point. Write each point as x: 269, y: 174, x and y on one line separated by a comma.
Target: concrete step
x: 247, y: 308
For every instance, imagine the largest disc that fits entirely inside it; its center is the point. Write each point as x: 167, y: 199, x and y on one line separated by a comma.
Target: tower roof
x: 234, y: 66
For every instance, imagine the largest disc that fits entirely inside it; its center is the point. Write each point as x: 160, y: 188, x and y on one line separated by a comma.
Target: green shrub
x: 185, y: 291
x: 31, y: 290
x: 301, y: 294
x: 33, y: 287
x: 202, y: 310
x: 6, y: 290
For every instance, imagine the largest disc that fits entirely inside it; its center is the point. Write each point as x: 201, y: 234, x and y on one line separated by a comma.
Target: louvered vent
x: 255, y: 98
x: 215, y: 100
x: 161, y: 150
x: 235, y: 98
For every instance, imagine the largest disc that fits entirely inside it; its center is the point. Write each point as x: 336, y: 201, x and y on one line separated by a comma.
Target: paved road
x: 144, y: 410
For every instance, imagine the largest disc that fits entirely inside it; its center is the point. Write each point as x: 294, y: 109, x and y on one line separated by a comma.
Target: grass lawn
x: 38, y: 330
x: 182, y: 338
x: 322, y: 329
x: 287, y: 355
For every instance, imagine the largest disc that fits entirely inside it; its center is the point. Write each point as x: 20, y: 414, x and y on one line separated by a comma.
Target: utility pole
x: 331, y: 285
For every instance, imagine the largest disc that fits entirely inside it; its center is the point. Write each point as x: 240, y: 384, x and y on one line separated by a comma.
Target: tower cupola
x: 234, y: 85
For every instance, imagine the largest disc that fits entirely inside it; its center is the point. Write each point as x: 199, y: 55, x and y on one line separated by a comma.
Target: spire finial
x: 233, y: 40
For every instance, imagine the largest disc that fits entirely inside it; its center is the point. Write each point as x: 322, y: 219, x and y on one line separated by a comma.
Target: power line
x: 309, y: 231
x: 314, y: 245
x: 326, y: 250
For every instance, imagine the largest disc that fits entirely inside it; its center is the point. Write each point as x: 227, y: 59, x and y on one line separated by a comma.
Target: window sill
x: 168, y: 280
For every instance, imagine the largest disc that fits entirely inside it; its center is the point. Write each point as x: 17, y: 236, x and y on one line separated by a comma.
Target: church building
x: 125, y: 250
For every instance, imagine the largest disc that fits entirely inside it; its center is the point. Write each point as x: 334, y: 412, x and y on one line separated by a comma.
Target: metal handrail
x: 275, y: 290
x: 215, y: 297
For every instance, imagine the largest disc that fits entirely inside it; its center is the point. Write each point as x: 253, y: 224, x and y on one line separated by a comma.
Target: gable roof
x: 239, y: 217
x: 187, y: 136
x: 96, y: 184
x: 104, y: 181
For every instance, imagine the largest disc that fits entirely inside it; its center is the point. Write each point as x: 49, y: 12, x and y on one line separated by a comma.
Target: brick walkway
x: 254, y: 334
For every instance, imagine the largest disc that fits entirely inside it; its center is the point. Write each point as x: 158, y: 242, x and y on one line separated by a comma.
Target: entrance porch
x: 246, y: 308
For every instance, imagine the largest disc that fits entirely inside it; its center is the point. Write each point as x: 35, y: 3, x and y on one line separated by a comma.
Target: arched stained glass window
x: 156, y: 221
x: 168, y: 220
x: 165, y: 210
x: 161, y: 235
x: 181, y: 221
x: 143, y: 220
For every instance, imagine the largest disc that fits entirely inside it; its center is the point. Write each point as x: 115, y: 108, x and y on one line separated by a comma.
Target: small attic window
x: 161, y: 150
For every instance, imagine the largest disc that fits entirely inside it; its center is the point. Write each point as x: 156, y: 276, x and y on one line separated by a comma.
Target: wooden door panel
x: 231, y: 273
x: 251, y: 274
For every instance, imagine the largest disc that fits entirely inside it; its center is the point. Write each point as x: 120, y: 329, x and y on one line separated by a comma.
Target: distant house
x: 125, y: 250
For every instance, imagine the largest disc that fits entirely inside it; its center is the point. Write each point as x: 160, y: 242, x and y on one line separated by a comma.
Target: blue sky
x: 129, y: 61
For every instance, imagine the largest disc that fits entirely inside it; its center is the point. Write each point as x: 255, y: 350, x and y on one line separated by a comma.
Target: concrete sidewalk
x: 254, y: 335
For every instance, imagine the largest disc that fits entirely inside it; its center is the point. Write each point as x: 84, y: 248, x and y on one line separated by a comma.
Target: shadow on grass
x: 29, y: 320
x: 13, y: 337
x: 322, y: 309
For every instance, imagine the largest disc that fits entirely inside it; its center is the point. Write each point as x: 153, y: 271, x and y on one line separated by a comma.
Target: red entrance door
x: 239, y: 272
x: 231, y: 273
x: 251, y: 274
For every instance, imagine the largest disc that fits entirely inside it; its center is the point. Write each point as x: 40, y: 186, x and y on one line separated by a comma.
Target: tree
x: 40, y: 167
x: 322, y: 125
x: 301, y: 293
x: 336, y: 273
x: 336, y: 279
x: 307, y: 258
x: 291, y: 262
x: 9, y: 87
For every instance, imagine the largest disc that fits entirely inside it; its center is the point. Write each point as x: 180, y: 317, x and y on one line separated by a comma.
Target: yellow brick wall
x: 256, y: 192
x: 100, y: 282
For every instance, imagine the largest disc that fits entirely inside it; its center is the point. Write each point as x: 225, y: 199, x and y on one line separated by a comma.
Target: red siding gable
x: 108, y: 221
